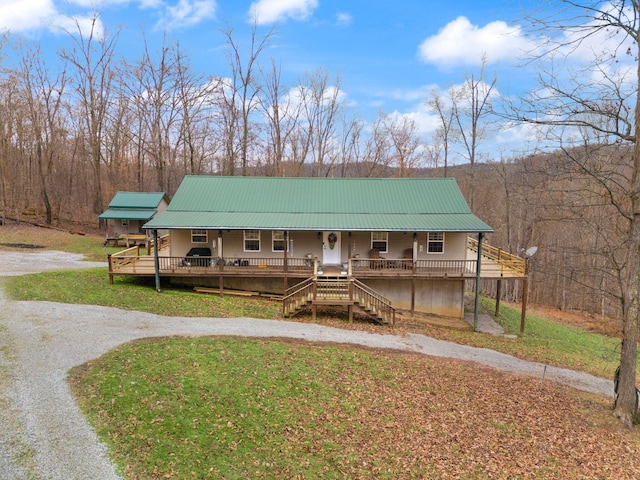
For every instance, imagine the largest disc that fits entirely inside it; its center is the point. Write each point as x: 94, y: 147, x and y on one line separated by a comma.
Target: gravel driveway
x: 45, y: 436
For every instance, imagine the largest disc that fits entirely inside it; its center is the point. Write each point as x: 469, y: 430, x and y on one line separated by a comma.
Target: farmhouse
x: 128, y: 212
x: 378, y: 244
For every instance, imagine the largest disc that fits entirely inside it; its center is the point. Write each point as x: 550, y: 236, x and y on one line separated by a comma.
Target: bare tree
x: 322, y: 105
x: 407, y: 148
x: 444, y: 135
x: 92, y: 57
x: 471, y: 107
x: 243, y: 93
x: 576, y: 107
x: 43, y: 96
x: 283, y: 111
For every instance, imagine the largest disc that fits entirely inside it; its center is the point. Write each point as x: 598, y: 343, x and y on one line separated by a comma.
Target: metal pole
x: 156, y: 260
x: 478, y: 266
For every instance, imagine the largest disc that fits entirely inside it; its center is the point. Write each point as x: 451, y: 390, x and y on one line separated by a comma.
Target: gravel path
x: 45, y: 436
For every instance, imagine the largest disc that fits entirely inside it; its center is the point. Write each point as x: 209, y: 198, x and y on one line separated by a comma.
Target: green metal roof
x: 137, y: 200
x: 365, y: 204
x: 127, y: 214
x: 133, y: 206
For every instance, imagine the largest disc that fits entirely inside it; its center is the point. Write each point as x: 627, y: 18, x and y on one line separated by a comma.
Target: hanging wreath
x: 333, y: 238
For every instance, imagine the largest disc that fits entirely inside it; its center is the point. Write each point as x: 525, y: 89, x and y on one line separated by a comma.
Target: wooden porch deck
x: 495, y: 265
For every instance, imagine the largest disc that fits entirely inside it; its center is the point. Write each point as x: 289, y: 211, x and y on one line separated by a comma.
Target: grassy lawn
x: 91, y: 287
x: 229, y: 408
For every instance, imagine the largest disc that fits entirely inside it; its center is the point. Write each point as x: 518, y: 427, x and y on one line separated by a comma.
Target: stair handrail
x: 296, y: 292
x: 386, y: 309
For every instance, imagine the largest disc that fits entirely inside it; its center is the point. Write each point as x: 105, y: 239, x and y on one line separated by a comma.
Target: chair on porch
x: 376, y: 262
x: 407, y: 256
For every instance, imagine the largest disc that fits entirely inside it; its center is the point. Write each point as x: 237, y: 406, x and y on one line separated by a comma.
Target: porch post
x: 220, y: 264
x: 413, y: 276
x: 478, y: 267
x: 156, y: 260
x: 349, y: 248
x: 525, y: 296
x: 286, y: 262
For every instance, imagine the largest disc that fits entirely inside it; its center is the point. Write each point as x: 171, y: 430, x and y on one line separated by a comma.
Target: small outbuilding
x: 128, y: 212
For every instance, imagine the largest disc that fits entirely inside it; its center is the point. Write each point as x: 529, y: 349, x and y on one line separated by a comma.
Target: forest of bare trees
x: 78, y: 128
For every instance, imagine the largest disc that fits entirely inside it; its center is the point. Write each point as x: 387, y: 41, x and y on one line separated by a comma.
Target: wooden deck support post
x: 498, y: 295
x: 525, y: 297
x: 350, y: 306
x: 478, y: 267
x: 110, y: 269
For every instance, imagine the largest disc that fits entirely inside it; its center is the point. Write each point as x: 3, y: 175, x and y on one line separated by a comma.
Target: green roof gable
x: 133, y: 205
x: 384, y: 204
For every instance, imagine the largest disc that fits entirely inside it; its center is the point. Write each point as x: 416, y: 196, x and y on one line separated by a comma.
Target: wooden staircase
x: 337, y: 290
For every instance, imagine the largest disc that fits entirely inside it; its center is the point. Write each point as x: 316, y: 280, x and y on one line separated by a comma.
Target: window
x: 252, y: 240
x: 125, y: 223
x: 277, y: 241
x: 380, y: 241
x: 435, y: 242
x: 198, y: 236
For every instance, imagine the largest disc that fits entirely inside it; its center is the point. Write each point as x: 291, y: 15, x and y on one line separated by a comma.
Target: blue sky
x: 389, y: 54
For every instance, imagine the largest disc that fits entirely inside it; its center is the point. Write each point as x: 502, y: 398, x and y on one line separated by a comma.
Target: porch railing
x: 407, y: 266
x: 497, y: 264
x: 506, y: 262
x: 164, y: 241
x: 173, y: 264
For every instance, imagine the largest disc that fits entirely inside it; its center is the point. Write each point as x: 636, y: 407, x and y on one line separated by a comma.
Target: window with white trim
x: 199, y: 235
x: 277, y: 241
x: 435, y: 242
x: 125, y: 223
x: 252, y: 240
x: 380, y: 241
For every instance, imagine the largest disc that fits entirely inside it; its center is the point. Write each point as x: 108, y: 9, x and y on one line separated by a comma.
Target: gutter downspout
x: 478, y: 266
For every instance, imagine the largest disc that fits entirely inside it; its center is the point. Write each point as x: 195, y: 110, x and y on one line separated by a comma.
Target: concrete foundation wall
x: 436, y: 297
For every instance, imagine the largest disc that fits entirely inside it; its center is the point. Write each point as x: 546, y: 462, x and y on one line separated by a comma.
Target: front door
x: 331, y: 248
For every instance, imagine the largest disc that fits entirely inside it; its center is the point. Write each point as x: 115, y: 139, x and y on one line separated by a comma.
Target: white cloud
x: 99, y: 5
x: 270, y: 11
x: 461, y: 43
x: 344, y: 19
x: 186, y: 13
x: 86, y: 25
x: 20, y: 16
x: 411, y: 95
